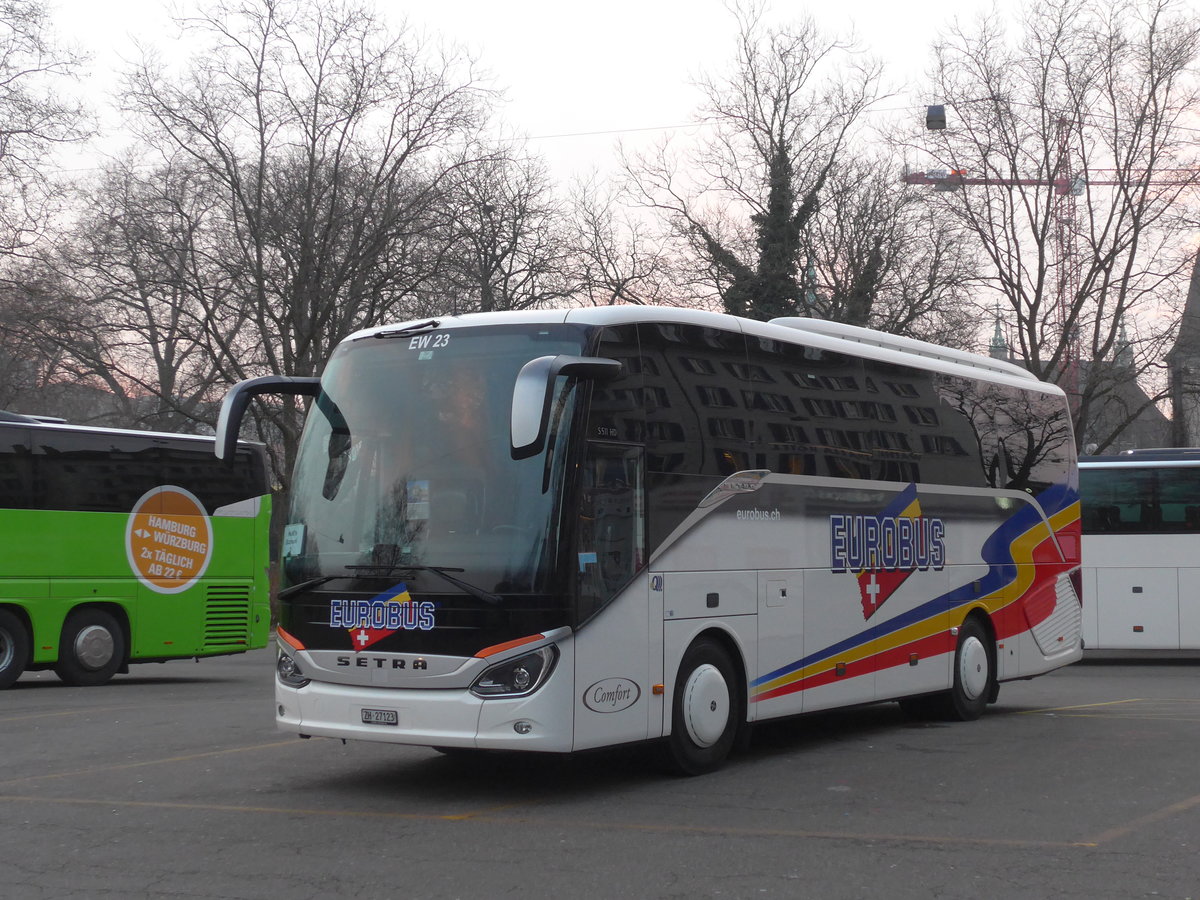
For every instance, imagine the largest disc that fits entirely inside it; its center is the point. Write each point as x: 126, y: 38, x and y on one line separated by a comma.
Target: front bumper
x: 430, y: 717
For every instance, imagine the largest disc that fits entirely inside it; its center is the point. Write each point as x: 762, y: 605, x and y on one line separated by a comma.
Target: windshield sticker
x: 370, y: 621
x: 417, y: 494
x: 883, y: 551
x: 293, y: 540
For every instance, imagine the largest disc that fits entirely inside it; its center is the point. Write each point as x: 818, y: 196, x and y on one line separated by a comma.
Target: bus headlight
x: 289, y: 671
x: 518, y: 676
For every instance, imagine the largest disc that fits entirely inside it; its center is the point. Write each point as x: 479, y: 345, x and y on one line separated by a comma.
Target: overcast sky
x: 577, y: 76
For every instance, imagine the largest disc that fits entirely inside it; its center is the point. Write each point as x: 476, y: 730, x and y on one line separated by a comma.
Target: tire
x: 706, y: 712
x: 974, y: 672
x: 92, y: 648
x: 974, y: 681
x: 14, y: 648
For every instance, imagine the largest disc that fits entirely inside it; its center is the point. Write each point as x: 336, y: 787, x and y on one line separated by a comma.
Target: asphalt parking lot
x: 172, y: 782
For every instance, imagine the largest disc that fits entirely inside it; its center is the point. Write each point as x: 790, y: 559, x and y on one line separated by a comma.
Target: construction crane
x: 1067, y: 187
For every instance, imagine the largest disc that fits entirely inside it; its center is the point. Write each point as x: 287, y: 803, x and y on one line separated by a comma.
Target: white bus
x: 569, y: 529
x: 1141, y: 550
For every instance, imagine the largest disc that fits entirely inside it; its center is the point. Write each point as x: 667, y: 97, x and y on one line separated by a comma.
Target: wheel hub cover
x: 94, y: 647
x: 706, y: 705
x: 7, y: 650
x: 973, y: 668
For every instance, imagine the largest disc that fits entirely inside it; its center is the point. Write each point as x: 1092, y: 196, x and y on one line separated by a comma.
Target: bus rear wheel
x: 974, y: 680
x: 14, y: 648
x: 974, y: 673
x: 706, y: 711
x: 92, y: 648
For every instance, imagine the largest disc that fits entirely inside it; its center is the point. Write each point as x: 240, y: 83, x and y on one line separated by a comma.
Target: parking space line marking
x: 148, y: 762
x: 1156, y: 713
x: 1144, y: 718
x: 479, y: 813
x: 484, y: 817
x: 213, y: 807
x: 1159, y: 815
x: 1035, y: 712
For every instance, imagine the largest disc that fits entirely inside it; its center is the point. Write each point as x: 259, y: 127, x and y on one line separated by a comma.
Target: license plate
x: 380, y: 717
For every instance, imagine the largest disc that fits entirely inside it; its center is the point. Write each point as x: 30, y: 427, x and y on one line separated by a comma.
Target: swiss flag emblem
x: 365, y: 637
x: 876, y: 586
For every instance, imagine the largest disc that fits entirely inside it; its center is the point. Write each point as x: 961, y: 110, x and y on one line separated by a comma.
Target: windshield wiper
x: 305, y: 585
x: 443, y: 573
x: 405, y: 332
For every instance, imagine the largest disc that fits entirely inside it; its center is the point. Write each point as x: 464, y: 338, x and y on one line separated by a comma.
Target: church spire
x: 998, y: 349
x: 1123, y: 355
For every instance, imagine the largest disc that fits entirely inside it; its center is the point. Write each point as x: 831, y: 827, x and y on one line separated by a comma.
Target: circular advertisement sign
x: 168, y: 539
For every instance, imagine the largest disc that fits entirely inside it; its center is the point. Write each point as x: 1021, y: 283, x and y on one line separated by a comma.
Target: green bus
x: 120, y: 547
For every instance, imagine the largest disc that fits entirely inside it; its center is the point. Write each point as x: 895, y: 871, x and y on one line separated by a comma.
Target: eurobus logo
x: 370, y: 621
x: 884, y: 550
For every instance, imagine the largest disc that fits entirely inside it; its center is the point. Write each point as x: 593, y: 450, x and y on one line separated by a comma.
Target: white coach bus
x: 1141, y: 550
x: 569, y: 529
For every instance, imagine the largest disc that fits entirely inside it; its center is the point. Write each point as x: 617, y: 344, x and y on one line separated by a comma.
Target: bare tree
x: 313, y: 148
x: 1073, y: 153
x: 506, y: 238
x: 135, y: 280
x: 617, y: 256
x: 882, y: 255
x: 780, y: 122
x: 37, y: 116
x: 31, y: 357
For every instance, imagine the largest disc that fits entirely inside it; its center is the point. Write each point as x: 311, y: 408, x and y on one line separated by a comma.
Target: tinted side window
x: 1179, y: 499
x: 16, y: 469
x: 99, y: 472
x: 814, y: 417
x: 697, y: 428
x: 617, y: 412
x: 699, y: 395
x: 1124, y: 500
x: 92, y: 473
x: 214, y: 483
x: 1013, y: 438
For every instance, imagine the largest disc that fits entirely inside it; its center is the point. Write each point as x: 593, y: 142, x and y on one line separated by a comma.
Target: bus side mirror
x: 238, y: 399
x: 533, y: 392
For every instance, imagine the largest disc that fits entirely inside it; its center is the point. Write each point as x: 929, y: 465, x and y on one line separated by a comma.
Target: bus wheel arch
x: 93, y: 645
x: 708, y: 705
x: 15, y: 644
x: 975, y: 674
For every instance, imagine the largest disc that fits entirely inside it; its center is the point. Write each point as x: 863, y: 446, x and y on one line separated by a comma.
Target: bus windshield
x: 405, y: 471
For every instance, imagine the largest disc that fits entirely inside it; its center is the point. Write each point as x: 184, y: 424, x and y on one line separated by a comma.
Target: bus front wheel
x: 92, y: 648
x: 706, y: 711
x: 14, y: 648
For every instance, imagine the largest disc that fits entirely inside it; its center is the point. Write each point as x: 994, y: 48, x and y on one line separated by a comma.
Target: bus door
x: 613, y: 643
